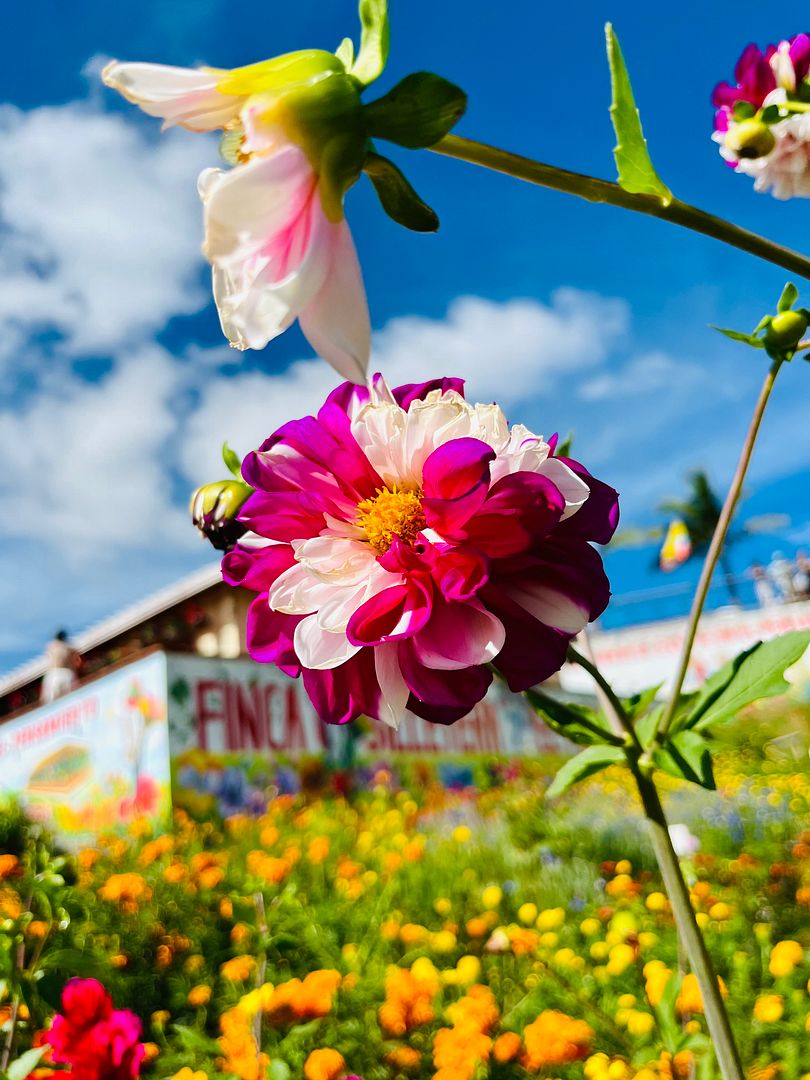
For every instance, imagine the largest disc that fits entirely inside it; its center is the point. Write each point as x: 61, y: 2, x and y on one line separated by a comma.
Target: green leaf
x: 736, y: 335
x: 19, y: 1069
x: 565, y: 446
x: 195, y: 1041
x: 754, y: 674
x: 417, y: 112
x: 398, y: 198
x: 231, y: 459
x: 647, y: 726
x: 790, y: 294
x: 278, y: 1070
x: 74, y: 962
x: 374, y: 39
x: 345, y: 53
x: 637, y: 705
x: 636, y: 172
x: 687, y: 756
x: 586, y: 763
x: 574, y: 722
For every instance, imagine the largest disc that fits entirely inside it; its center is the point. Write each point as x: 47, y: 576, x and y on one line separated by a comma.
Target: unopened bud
x: 785, y: 330
x: 214, y: 508
x: 750, y: 139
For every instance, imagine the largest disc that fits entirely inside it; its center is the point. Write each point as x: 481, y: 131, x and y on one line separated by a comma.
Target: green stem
x: 614, y: 710
x: 604, y: 191
x: 715, y: 549
x: 722, y: 1037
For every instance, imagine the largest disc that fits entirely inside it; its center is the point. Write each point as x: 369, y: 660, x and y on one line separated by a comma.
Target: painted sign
x: 95, y: 758
x: 642, y: 656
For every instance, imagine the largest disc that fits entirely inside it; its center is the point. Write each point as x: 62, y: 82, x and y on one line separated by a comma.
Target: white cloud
x: 85, y: 469
x: 508, y: 352
x: 643, y: 375
x: 100, y: 227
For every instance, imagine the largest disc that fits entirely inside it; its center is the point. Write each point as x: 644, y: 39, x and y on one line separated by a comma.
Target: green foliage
x: 374, y: 41
x: 397, y: 197
x: 587, y: 762
x: 780, y: 335
x: 20, y: 1069
x: 232, y: 462
x: 576, y: 722
x: 636, y: 171
x: 686, y: 755
x: 755, y: 674
x: 418, y: 112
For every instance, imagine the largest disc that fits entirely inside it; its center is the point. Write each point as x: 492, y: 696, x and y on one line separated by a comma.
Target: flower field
x: 427, y: 934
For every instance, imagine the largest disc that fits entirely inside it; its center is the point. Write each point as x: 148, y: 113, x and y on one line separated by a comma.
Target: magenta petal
x: 519, y: 510
x: 455, y: 481
x: 800, y: 56
x: 256, y: 568
x: 409, y: 392
x: 269, y: 636
x: 342, y: 694
x: 441, y: 696
x: 391, y: 615
x: 459, y: 574
x: 284, y: 515
x: 598, y: 518
x: 532, y: 651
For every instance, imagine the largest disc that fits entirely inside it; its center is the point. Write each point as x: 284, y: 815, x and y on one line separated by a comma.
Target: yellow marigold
x: 620, y: 958
x: 318, y: 849
x: 240, y: 933
x: 506, y: 1047
x: 211, y: 877
x: 175, y: 873
x: 161, y: 1017
x: 198, y: 996
x: 689, y: 998
x: 324, y: 1065
x: 785, y: 955
x: 555, y: 1039
x: 551, y: 919
x: 657, y: 975
x: 153, y: 849
x: 238, y: 968
x: 87, y: 858
x: 768, y: 1008
x: 226, y: 908
x: 188, y: 1074
x: 127, y: 890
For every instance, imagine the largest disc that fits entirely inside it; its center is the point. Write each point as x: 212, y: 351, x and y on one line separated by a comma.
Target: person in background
x: 763, y: 590
x: 780, y: 572
x: 60, y: 674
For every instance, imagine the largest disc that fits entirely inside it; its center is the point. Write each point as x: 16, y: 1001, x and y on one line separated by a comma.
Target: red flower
x: 97, y: 1041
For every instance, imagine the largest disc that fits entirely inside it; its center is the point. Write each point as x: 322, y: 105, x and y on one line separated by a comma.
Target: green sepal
x: 636, y: 171
x: 565, y: 446
x: 345, y: 53
x: 770, y: 114
x: 418, y: 112
x: 374, y: 41
x: 575, y: 722
x: 790, y: 294
x: 737, y: 335
x: 744, y: 110
x: 397, y: 197
x: 686, y: 755
x: 25, y: 1065
x: 232, y: 462
x: 755, y: 674
x: 589, y: 761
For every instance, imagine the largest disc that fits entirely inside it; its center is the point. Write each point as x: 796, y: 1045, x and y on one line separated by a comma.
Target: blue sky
x: 117, y: 388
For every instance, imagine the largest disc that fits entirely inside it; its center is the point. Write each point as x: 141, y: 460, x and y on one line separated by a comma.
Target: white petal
x: 336, y: 321
x: 182, y: 96
x: 319, y: 649
x: 297, y: 592
x: 334, y: 614
x: 337, y: 560
x: 574, y: 489
x: 393, y: 688
x: 550, y: 607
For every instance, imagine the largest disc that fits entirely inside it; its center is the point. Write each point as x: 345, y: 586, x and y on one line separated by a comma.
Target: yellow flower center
x: 391, y: 512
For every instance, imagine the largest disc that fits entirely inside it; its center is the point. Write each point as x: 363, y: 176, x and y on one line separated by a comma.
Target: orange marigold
x: 555, y: 1039
x: 324, y: 1065
x: 506, y: 1047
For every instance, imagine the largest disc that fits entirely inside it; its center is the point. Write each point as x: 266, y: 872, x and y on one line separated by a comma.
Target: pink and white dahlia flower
x: 275, y: 233
x: 762, y: 122
x: 403, y: 543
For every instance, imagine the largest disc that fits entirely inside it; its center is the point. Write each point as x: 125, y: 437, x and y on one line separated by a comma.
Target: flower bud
x: 785, y: 330
x: 750, y: 139
x: 213, y: 510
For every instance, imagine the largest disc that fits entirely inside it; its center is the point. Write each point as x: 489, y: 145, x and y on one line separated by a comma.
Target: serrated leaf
x: 790, y: 294
x: 636, y: 171
x: 374, y: 40
x: 231, y: 459
x: 23, y: 1066
x: 686, y: 756
x: 345, y: 53
x: 417, y: 112
x: 574, y: 722
x: 397, y: 197
x: 586, y: 763
x: 755, y: 674
x: 737, y: 335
